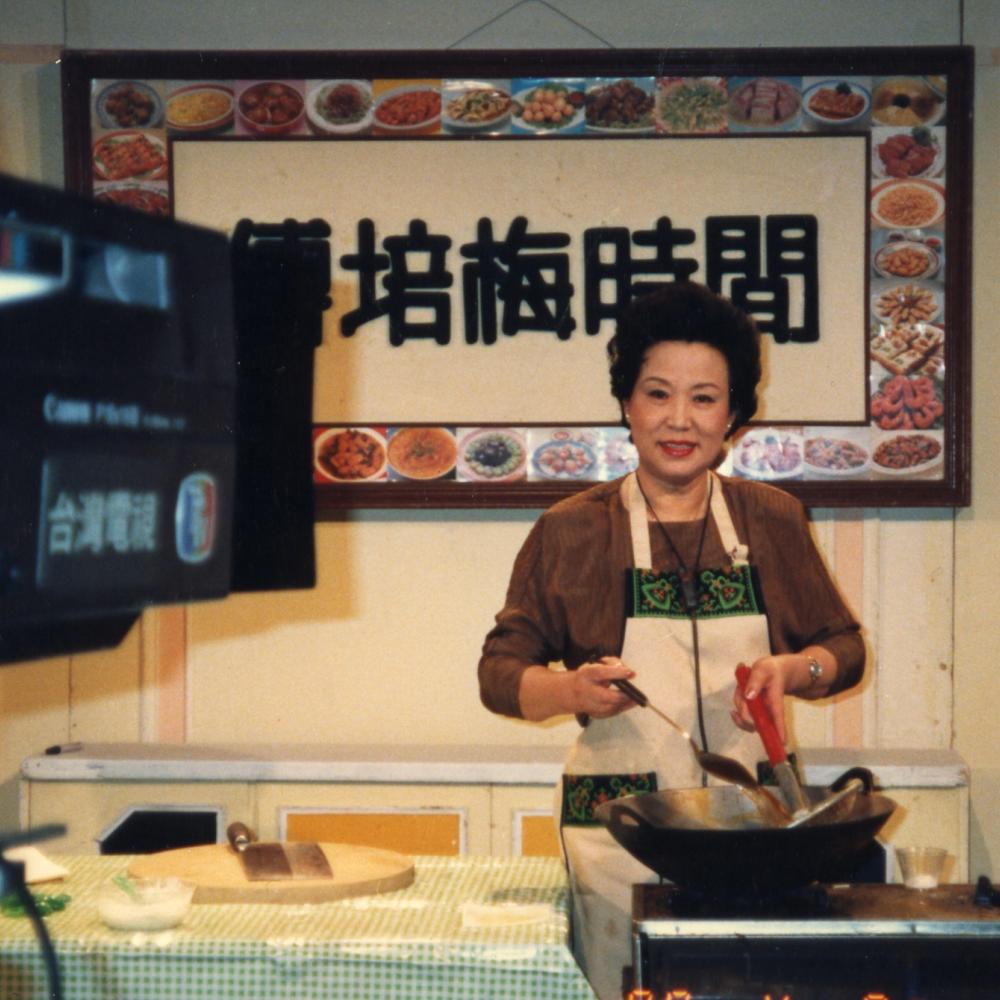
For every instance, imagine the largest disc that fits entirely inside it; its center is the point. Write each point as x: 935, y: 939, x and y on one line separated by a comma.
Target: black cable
x: 12, y: 879
x: 44, y: 941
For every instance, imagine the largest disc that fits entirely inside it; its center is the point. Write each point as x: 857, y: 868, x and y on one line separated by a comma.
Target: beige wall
x: 384, y: 650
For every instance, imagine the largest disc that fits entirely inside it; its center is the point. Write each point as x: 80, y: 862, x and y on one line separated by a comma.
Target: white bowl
x: 321, y: 124
x: 260, y: 92
x: 223, y: 96
x: 426, y: 125
x: 137, y: 904
x: 375, y: 471
x: 899, y: 440
x: 831, y: 122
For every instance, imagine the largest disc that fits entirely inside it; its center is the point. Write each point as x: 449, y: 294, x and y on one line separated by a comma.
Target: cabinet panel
x: 523, y: 822
x: 415, y: 831
x: 89, y: 808
x: 412, y: 819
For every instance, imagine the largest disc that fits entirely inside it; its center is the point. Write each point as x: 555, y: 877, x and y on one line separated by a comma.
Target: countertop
x: 378, y: 764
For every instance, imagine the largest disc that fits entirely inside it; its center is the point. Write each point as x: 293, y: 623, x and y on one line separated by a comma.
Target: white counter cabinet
x: 429, y: 800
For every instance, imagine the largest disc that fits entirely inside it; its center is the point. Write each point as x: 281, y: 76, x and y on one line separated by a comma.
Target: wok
x: 712, y: 839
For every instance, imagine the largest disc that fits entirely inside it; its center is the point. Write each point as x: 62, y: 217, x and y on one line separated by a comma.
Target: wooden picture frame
x: 924, y: 93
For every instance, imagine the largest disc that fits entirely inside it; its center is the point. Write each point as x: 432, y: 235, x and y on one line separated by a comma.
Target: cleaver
x: 276, y: 862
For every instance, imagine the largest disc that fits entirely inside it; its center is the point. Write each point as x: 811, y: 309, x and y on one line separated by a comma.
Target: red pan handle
x: 762, y: 720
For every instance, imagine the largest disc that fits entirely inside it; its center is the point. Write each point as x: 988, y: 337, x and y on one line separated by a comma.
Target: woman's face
x: 679, y: 411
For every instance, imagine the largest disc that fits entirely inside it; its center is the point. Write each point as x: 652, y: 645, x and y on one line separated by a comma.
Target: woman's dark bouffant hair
x: 690, y: 312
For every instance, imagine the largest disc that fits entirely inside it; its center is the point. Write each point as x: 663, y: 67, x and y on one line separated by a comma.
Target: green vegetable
x: 126, y: 885
x: 12, y: 906
x: 693, y: 107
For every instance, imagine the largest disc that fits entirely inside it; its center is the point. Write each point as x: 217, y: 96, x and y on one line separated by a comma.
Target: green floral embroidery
x: 721, y: 592
x: 583, y: 793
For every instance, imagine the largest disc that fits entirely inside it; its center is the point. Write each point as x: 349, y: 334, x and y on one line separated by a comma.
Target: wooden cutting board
x: 218, y: 875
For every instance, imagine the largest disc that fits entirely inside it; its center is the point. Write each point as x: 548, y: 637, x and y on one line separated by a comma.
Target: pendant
x: 690, y: 587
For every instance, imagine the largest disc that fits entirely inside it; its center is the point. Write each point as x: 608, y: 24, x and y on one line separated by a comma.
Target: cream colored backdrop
x: 560, y: 187
x: 384, y: 651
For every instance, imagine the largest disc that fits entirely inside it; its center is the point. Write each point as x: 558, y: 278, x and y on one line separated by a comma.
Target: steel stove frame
x: 875, y: 943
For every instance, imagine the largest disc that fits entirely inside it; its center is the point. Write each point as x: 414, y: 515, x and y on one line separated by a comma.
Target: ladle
x: 803, y: 812
x: 725, y: 768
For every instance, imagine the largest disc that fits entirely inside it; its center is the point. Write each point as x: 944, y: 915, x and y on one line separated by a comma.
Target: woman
x: 672, y: 576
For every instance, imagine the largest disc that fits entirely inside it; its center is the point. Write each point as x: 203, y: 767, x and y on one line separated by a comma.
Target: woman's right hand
x: 587, y: 690
x: 597, y: 696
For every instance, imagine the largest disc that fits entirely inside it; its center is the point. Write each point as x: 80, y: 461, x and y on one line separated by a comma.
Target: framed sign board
x: 492, y: 212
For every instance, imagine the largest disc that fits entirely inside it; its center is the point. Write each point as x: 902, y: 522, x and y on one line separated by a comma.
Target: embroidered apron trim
x: 583, y: 793
x: 721, y: 593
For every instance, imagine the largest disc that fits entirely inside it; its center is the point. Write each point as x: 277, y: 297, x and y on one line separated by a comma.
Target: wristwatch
x: 815, y: 671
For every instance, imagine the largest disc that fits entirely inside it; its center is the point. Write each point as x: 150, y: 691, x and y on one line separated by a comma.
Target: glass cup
x: 920, y: 867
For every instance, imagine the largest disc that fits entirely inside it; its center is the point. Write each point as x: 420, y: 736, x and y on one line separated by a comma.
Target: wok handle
x: 761, y: 715
x: 862, y: 774
x: 615, y: 821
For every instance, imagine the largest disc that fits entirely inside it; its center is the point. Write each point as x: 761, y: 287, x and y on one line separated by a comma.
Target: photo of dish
x: 916, y: 152
x: 564, y: 458
x: 408, y: 108
x: 908, y: 403
x: 906, y: 100
x: 349, y: 455
x: 691, y: 104
x: 907, y: 304
x: 339, y: 107
x: 764, y: 103
x: 151, y: 198
x: 476, y: 108
x: 271, y: 108
x: 620, y: 106
x: 129, y: 154
x: 938, y: 83
x: 836, y: 103
x: 909, y: 349
x: 549, y: 107
x: 129, y: 104
x: 835, y: 456
x: 200, y: 107
x: 492, y: 455
x: 768, y: 453
x: 422, y: 452
x: 908, y: 454
x: 910, y: 204
x: 906, y: 259
x: 619, y: 456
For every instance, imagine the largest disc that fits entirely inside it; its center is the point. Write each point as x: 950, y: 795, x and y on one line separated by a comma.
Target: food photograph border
x: 914, y: 104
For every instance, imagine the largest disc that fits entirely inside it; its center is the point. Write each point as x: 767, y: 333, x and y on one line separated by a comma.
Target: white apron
x: 637, y: 751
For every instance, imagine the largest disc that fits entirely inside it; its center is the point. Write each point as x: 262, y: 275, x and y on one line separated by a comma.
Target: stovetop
x: 839, y: 942
x: 948, y: 910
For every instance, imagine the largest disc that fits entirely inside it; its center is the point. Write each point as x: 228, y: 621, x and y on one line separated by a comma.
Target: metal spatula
x: 725, y: 768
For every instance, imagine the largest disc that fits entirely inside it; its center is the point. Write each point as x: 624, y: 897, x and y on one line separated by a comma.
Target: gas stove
x: 842, y: 942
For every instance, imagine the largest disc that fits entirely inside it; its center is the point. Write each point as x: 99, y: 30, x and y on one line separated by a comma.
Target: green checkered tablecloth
x: 412, y: 943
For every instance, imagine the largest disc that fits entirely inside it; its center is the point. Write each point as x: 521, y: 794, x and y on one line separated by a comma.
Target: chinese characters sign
x: 508, y: 257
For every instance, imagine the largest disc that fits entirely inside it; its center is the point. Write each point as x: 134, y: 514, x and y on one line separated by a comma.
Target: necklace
x: 688, y: 575
x: 689, y: 585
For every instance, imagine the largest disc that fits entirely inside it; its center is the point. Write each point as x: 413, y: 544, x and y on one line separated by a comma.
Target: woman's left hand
x: 772, y: 677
